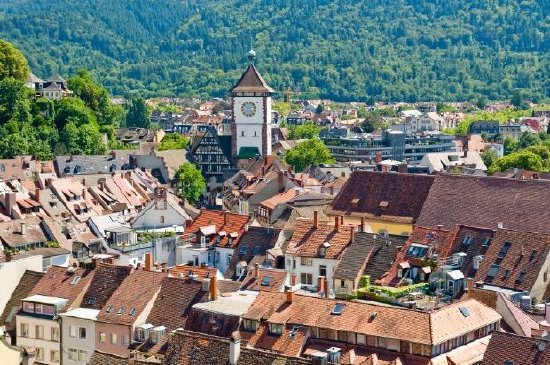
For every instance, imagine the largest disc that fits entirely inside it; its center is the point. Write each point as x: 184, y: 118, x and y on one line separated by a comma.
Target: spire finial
x: 251, y: 55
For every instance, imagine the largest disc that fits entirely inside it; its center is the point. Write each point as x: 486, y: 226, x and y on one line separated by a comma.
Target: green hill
x: 341, y: 49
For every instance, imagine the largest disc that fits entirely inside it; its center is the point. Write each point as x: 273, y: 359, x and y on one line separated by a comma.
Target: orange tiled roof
x: 58, y: 282
x: 202, y: 272
x: 283, y: 344
x: 272, y: 202
x: 223, y: 221
x: 307, y: 239
x: 275, y: 284
x: 389, y: 322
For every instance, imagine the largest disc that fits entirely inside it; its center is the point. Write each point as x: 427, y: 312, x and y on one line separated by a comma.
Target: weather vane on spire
x: 251, y: 55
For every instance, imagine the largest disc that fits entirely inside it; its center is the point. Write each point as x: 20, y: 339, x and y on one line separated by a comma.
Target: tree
x: 173, y: 141
x: 521, y: 159
x: 82, y: 140
x: 12, y: 63
x: 489, y: 157
x: 371, y: 123
x: 15, y: 101
x: 138, y: 115
x: 93, y: 95
x: 528, y: 139
x: 190, y: 184
x: 310, y: 152
x: 75, y: 110
x: 320, y: 109
x: 517, y: 99
x: 510, y: 145
x: 308, y: 130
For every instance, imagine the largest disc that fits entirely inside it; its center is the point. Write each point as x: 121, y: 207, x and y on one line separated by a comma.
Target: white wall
x: 252, y: 126
x: 313, y: 269
x: 87, y: 344
x: 11, y: 273
x: 46, y: 343
x: 159, y: 218
x: 186, y: 254
x: 222, y: 265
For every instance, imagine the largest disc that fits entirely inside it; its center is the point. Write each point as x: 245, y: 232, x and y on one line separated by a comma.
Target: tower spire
x: 251, y: 56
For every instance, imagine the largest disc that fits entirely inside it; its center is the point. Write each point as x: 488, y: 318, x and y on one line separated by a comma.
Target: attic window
x: 120, y: 310
x: 467, y: 240
x: 493, y: 271
x: 533, y: 255
x: 504, y: 250
x: 109, y: 309
x: 506, y: 274
x: 338, y: 309
x: 355, y: 201
x: 132, y: 312
x: 91, y: 301
x: 266, y: 281
x: 76, y: 279
x: 417, y: 250
x: 520, y: 277
x: 243, y: 250
x: 465, y: 312
x: 486, y: 242
x: 384, y: 204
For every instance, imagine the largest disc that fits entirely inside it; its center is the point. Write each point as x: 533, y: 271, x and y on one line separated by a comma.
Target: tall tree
x: 12, y: 62
x: 190, y: 184
x: 138, y: 114
x: 310, y: 152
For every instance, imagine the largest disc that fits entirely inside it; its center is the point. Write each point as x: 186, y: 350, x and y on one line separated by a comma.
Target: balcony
x: 132, y: 247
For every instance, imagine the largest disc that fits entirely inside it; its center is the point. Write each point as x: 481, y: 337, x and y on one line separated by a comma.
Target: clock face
x: 248, y: 109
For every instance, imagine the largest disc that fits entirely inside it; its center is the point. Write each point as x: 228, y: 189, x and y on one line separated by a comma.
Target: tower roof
x: 251, y: 81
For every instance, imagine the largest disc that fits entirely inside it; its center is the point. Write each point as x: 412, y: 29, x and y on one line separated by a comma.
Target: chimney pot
x: 293, y: 280
x: 23, y: 228
x: 320, y: 284
x: 148, y: 261
x: 327, y: 289
x: 337, y: 223
x: 363, y: 228
x: 213, y: 289
x: 316, y: 219
x: 289, y: 295
x: 257, y: 271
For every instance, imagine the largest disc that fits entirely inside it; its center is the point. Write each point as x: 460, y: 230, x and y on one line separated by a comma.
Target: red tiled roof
x: 521, y: 264
x: 201, y: 271
x: 285, y: 197
x: 58, y: 282
x: 223, y: 221
x: 107, y: 279
x: 388, y: 196
x: 283, y: 344
x: 275, y: 284
x: 486, y: 201
x: 251, y: 81
x: 135, y: 292
x: 516, y: 349
x: 307, y: 239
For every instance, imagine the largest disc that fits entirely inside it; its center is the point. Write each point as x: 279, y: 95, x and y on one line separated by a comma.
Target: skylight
x: 486, y: 242
x: 338, y: 308
x: 76, y: 279
x: 465, y: 312
x: 467, y: 240
x: 533, y: 255
x: 132, y: 312
x: 417, y: 250
x: 109, y: 309
x: 520, y: 277
x: 266, y: 281
x: 120, y: 310
x: 493, y: 271
x: 91, y: 300
x: 504, y: 250
x: 243, y: 250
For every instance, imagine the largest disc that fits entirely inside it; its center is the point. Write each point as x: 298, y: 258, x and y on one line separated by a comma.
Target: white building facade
x: 78, y: 335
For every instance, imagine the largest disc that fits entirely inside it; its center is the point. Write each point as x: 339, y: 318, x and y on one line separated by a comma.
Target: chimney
x: 351, y: 233
x: 38, y: 194
x: 342, y: 220
x: 336, y: 223
x: 148, y: 261
x: 470, y: 287
x: 293, y: 280
x: 327, y: 289
x: 362, y: 227
x: 320, y: 284
x: 84, y: 193
x: 343, y: 174
x: 289, y: 295
x: 257, y: 271
x: 225, y: 218
x: 213, y: 288
x: 378, y: 157
x: 23, y: 228
x: 84, y: 182
x: 10, y: 201
x: 234, y: 348
x: 281, y: 181
x: 8, y: 256
x: 113, y: 154
x: 403, y: 168
x: 315, y: 219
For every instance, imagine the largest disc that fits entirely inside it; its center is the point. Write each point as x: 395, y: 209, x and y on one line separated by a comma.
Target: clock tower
x: 251, y: 121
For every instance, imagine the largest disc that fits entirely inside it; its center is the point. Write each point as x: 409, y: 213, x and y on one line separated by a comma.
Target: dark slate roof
x: 384, y: 255
x: 257, y: 241
x: 212, y: 324
x: 107, y: 279
x: 100, y: 164
x: 385, y: 195
x: 486, y: 201
x: 22, y: 290
x: 356, y: 256
x: 516, y: 349
x: 471, y: 241
x: 101, y: 358
x: 251, y: 81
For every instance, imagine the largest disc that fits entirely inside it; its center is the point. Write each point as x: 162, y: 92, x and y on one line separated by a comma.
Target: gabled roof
x: 486, y: 201
x: 174, y: 301
x: 224, y: 222
x: 516, y: 349
x: 10, y: 232
x: 61, y: 282
x: 473, y: 242
x: 251, y: 81
x: 307, y: 239
x: 131, y: 297
x: 384, y: 254
x: 383, y: 195
x: 107, y: 279
x: 268, y: 279
x: 520, y: 265
x: 357, y: 255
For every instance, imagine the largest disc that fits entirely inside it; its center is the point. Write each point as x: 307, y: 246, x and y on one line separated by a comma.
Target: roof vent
x: 338, y: 309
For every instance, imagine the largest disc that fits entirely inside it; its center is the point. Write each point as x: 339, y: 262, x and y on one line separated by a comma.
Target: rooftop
x: 82, y: 313
x: 232, y: 304
x: 506, y: 347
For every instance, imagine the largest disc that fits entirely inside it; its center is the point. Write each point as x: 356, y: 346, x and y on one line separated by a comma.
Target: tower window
x: 255, y: 135
x: 242, y: 134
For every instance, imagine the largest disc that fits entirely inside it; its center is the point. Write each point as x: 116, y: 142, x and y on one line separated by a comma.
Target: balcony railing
x: 132, y: 247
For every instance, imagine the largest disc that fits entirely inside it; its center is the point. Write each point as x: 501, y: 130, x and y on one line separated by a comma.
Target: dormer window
x: 142, y: 332
x: 275, y: 329
x: 467, y: 240
x: 384, y: 204
x: 250, y: 325
x: 157, y: 333
x: 323, y: 249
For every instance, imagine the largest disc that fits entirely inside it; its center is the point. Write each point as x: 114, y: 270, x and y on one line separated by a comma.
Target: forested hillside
x: 341, y: 49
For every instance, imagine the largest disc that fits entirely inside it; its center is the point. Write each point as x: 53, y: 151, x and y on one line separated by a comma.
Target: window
x: 520, y: 277
x: 417, y: 250
x: 242, y: 134
x: 82, y: 355
x: 493, y: 271
x: 306, y: 261
x: 504, y: 250
x: 342, y: 336
x: 306, y: 279
x: 229, y: 259
x: 54, y: 356
x: 342, y: 283
x: 161, y: 219
x: 39, y: 353
x: 102, y: 337
x: 250, y: 325
x: 28, y: 307
x: 72, y: 331
x: 382, y: 342
x: 338, y: 308
x: 73, y: 354
x: 243, y: 250
x: 55, y: 334
x: 361, y: 339
x: 140, y: 334
x: 486, y: 242
x: 82, y: 332
x: 323, y: 333
x: 24, y: 330
x: 266, y: 281
x: 75, y: 280
x: 44, y: 309
x: 467, y: 240
x: 506, y: 274
x: 533, y: 255
x: 322, y: 270
x: 275, y: 329
x: 113, y: 338
x: 39, y: 331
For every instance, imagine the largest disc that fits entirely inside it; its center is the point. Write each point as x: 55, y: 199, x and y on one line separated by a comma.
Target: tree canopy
x: 190, y: 183
x: 12, y: 62
x: 306, y: 153
x: 138, y: 114
x: 304, y: 131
